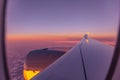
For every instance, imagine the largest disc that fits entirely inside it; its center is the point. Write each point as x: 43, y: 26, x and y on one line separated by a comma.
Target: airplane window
x: 38, y: 32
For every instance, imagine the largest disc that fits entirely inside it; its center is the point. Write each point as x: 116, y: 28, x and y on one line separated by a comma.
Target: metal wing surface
x: 88, y: 60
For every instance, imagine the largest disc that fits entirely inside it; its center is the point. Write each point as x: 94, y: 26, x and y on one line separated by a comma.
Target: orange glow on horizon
x: 56, y: 37
x: 35, y: 37
x: 42, y: 37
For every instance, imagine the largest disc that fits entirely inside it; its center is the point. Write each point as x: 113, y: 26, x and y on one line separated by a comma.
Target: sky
x: 61, y: 19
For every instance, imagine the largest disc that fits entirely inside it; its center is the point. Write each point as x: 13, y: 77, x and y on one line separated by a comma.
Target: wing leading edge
x: 89, y: 59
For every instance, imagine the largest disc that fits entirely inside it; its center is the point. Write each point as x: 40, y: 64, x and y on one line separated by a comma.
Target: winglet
x: 86, y: 36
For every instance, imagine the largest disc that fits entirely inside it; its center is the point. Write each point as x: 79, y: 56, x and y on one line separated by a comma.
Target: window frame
x: 4, y: 72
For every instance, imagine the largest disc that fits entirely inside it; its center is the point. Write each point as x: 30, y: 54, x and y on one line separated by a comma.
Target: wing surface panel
x: 97, y: 58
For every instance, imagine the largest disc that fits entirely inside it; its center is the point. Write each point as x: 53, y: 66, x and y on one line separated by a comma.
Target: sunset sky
x: 61, y: 19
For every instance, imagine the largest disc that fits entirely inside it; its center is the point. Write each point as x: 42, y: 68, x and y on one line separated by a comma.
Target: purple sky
x: 62, y: 16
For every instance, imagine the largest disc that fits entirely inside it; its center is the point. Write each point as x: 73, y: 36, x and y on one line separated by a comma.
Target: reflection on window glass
x: 54, y: 25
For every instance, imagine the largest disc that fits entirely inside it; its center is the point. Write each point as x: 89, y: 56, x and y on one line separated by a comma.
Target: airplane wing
x: 89, y: 59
